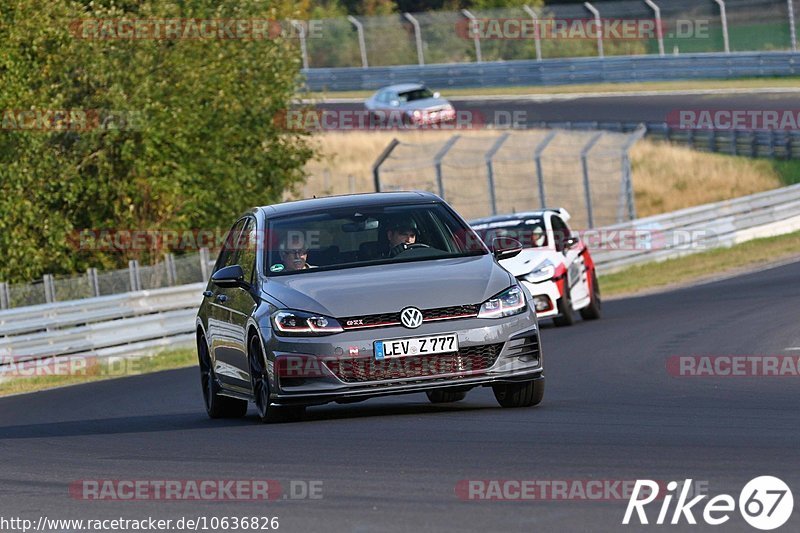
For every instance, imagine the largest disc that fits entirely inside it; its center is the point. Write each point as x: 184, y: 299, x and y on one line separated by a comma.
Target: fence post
x: 712, y: 140
x: 537, y: 36
x: 599, y: 22
x: 753, y: 144
x: 49, y: 288
x: 475, y: 34
x: 417, y: 37
x: 301, y: 33
x: 490, y: 170
x: 4, y: 299
x: 204, y: 263
x: 659, y: 27
x: 585, y: 163
x: 735, y: 142
x: 437, y: 162
x: 133, y: 271
x: 627, y: 174
x: 94, y: 283
x: 169, y: 263
x: 376, y: 166
x: 361, y: 42
x: 537, y: 156
x: 792, y: 26
x: 724, y: 17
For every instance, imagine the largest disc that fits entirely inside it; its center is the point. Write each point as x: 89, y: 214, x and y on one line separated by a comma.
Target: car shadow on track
x: 110, y: 426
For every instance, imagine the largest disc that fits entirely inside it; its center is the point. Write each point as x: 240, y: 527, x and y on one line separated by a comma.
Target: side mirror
x: 436, y: 94
x: 505, y: 247
x: 229, y: 277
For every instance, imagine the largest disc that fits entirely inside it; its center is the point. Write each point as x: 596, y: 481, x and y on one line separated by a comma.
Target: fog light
x: 542, y: 303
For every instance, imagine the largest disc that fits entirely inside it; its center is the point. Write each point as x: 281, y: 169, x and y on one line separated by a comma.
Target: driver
x: 401, y: 234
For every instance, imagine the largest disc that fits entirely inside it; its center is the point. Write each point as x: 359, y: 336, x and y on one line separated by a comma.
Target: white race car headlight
x: 302, y: 324
x: 509, y: 302
x: 543, y: 272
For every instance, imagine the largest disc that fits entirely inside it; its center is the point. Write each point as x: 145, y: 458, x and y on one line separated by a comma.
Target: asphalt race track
x: 617, y: 108
x: 611, y: 412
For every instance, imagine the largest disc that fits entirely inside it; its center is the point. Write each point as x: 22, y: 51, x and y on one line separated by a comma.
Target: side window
x: 227, y: 256
x: 560, y: 232
x: 248, y: 243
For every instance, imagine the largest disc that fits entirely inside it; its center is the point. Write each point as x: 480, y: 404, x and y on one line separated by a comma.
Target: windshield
x: 530, y: 232
x: 416, y: 94
x: 355, y: 237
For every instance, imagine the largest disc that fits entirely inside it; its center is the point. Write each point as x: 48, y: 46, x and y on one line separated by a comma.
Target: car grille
x: 469, y: 360
x: 393, y: 319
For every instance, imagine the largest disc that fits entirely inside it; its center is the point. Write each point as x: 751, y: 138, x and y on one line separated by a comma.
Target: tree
x: 192, y: 143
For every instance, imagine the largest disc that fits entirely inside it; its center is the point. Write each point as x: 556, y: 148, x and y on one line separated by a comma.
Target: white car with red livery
x: 555, y: 265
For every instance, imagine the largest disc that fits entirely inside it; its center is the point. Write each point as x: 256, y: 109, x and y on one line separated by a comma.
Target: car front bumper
x: 343, y: 366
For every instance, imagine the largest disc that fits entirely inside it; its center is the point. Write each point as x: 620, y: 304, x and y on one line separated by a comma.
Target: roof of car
x: 350, y: 200
x: 512, y: 216
x: 403, y: 87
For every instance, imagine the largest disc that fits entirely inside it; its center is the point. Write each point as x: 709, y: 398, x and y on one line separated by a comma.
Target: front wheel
x: 592, y: 311
x: 524, y: 394
x: 259, y: 381
x: 564, y: 306
x: 217, y: 406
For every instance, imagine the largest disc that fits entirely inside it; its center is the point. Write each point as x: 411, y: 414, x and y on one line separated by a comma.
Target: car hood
x: 389, y: 288
x: 530, y: 258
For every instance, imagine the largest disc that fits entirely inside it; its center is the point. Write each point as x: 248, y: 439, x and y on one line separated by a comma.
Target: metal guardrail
x: 780, y: 144
x: 698, y: 229
x: 618, y: 69
x: 122, y: 324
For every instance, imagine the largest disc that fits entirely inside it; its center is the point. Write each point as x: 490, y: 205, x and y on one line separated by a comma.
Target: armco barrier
x: 122, y: 324
x: 703, y: 228
x: 617, y: 69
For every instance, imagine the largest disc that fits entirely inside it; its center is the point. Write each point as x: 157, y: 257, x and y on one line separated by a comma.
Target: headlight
x: 302, y: 324
x: 545, y: 271
x: 509, y: 302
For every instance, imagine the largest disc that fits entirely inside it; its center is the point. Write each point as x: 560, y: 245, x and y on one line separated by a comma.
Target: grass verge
x: 76, y: 370
x: 701, y: 266
x: 749, y: 83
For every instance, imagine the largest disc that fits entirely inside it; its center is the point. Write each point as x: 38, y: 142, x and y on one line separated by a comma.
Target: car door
x: 573, y: 259
x: 222, y: 333
x: 238, y: 305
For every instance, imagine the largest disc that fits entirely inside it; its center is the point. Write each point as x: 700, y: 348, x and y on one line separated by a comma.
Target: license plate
x: 416, y: 346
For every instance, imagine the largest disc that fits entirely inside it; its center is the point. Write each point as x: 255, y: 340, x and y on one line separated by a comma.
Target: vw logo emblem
x: 411, y: 317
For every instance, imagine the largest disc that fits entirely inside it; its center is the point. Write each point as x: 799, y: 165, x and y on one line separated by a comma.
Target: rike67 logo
x: 765, y: 503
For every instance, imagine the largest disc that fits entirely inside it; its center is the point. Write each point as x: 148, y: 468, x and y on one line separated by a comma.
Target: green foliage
x: 201, y: 147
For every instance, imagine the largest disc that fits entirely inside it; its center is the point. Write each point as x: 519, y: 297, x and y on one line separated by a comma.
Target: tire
x: 592, y: 311
x: 259, y: 382
x: 217, y: 406
x: 564, y: 305
x: 444, y: 396
x: 524, y: 394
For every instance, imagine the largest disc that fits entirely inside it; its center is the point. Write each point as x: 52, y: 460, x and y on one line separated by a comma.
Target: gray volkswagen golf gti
x: 351, y: 297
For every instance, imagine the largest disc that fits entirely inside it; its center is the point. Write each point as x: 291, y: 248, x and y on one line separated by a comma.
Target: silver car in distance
x: 352, y: 297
